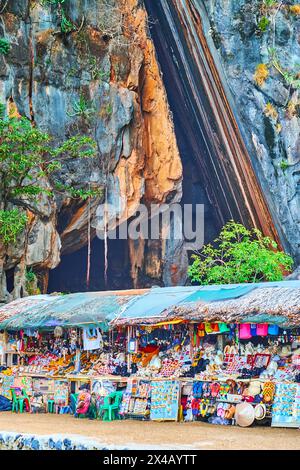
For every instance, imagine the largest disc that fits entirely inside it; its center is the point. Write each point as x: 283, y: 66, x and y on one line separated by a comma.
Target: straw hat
x: 254, y: 388
x: 260, y: 411
x: 286, y: 351
x: 244, y: 414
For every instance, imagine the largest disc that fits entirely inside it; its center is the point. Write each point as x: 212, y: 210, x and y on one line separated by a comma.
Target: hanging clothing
x: 92, y: 339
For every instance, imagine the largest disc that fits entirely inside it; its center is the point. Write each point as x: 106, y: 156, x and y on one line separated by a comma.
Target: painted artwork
x: 61, y: 392
x: 7, y: 384
x: 286, y: 406
x: 24, y: 382
x: 164, y: 400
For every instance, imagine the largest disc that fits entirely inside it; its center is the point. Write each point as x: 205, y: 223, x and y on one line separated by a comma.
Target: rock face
x: 102, y: 79
x: 108, y: 64
x: 268, y: 109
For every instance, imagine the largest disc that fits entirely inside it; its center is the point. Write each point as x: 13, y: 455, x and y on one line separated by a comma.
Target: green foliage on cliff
x: 12, y: 222
x: 31, y: 282
x: 263, y: 24
x: 239, y: 255
x: 4, y: 46
x: 82, y: 108
x: 27, y: 160
x: 66, y: 25
x: 291, y: 77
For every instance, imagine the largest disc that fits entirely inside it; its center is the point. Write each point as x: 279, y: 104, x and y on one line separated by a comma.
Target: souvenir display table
x: 214, y: 372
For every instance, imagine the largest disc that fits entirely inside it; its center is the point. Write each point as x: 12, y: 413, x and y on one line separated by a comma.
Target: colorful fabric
x: 245, y: 331
x: 262, y: 329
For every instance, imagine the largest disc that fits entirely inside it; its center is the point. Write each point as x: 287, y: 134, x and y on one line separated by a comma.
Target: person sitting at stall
x: 83, y: 402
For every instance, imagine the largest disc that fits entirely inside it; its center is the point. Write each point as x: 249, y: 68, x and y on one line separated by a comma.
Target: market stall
x: 222, y: 354
x: 56, y: 345
x: 233, y: 349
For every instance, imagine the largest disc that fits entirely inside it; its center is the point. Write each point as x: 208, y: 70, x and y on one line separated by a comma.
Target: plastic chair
x: 109, y: 410
x: 15, y: 401
x: 18, y: 400
x: 26, y: 397
x: 73, y: 402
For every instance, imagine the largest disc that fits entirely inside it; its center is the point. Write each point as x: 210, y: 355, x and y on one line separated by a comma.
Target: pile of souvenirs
x: 246, y: 351
x: 54, y: 353
x: 215, y: 372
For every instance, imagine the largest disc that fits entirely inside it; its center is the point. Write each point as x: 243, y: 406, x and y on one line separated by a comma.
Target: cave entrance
x: 201, y: 184
x: 70, y: 274
x: 210, y: 143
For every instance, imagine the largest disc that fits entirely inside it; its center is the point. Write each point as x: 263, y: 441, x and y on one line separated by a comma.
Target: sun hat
x: 286, y: 351
x: 244, y: 414
x: 260, y: 411
x: 254, y: 388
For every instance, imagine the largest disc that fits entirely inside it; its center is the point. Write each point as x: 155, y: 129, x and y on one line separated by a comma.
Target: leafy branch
x: 4, y: 46
x: 27, y: 160
x: 239, y: 255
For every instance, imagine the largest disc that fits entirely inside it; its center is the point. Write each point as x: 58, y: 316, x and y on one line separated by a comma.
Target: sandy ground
x: 168, y: 434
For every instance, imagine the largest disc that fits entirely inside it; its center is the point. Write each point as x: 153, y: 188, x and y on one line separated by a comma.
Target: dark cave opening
x: 70, y: 275
x: 202, y: 181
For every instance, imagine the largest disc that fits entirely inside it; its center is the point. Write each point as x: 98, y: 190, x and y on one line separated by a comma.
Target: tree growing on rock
x: 239, y: 255
x: 28, y: 160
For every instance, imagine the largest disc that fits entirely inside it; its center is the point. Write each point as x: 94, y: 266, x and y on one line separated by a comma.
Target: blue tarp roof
x: 210, y: 295
x: 154, y: 302
x: 159, y: 303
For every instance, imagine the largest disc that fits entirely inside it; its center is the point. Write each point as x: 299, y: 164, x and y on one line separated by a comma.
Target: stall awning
x: 153, y: 303
x: 89, y: 308
x: 218, y: 293
x: 270, y: 302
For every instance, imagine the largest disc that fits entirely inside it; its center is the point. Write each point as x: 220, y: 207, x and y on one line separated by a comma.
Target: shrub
x: 263, y: 24
x: 239, y: 255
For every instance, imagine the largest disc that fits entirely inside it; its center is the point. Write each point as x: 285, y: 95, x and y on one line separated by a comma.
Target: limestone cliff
x: 257, y: 44
x: 231, y: 78
x: 99, y: 79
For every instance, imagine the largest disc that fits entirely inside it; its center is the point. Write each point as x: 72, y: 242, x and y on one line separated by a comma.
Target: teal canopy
x: 270, y: 302
x: 222, y: 293
x: 90, y: 308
